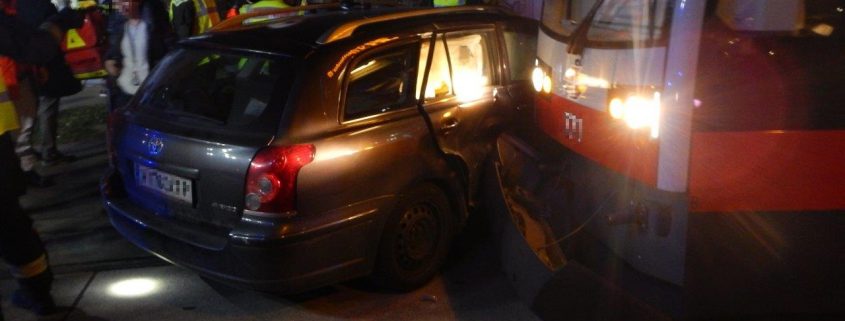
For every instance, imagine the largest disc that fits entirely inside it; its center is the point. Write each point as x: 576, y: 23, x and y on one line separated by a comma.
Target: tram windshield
x: 612, y: 20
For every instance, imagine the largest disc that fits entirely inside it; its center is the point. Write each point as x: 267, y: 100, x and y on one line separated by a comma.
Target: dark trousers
x: 48, y: 117
x: 20, y: 245
x: 117, y: 98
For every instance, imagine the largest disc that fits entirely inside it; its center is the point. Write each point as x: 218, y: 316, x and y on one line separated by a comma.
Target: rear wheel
x: 415, y: 239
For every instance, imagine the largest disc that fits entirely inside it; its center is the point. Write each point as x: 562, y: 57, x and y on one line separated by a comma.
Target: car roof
x: 287, y: 32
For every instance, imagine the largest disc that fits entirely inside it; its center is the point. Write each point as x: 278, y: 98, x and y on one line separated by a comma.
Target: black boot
x: 34, y: 294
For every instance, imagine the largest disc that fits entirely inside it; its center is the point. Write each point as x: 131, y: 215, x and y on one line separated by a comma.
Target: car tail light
x: 271, y: 181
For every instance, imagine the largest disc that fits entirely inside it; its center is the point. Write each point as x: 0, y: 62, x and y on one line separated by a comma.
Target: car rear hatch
x: 184, y: 144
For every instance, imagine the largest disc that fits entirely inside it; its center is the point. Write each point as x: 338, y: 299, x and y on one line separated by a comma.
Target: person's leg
x: 23, y: 250
x: 117, y: 98
x: 26, y: 106
x: 48, y: 112
x: 20, y: 246
x: 48, y: 117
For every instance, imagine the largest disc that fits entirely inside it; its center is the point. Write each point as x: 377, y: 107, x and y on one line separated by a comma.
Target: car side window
x: 460, y: 66
x: 380, y: 82
x: 440, y: 76
x: 470, y: 57
x: 521, y: 49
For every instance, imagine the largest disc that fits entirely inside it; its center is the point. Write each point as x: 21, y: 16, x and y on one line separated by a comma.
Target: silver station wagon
x: 293, y: 149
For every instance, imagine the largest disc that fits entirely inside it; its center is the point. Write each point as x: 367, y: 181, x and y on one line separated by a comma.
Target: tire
x: 415, y: 239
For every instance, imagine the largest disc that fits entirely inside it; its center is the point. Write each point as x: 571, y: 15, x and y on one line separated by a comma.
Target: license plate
x: 166, y: 184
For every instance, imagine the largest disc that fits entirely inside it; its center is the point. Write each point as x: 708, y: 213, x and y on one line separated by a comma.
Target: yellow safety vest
x: 207, y: 15
x: 8, y: 117
x: 205, y: 11
x: 264, y: 4
x: 448, y: 3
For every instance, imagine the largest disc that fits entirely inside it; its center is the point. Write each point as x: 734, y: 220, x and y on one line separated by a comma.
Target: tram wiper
x: 578, y: 41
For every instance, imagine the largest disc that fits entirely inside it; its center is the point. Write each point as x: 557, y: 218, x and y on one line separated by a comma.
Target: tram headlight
x: 537, y: 78
x: 637, y: 109
x: 541, y: 77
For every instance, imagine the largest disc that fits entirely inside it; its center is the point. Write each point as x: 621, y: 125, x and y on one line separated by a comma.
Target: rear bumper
x: 283, y: 256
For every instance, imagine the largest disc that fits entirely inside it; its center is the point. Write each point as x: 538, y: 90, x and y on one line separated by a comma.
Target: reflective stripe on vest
x: 448, y: 3
x: 8, y: 117
x: 268, y: 4
x: 31, y: 269
x: 207, y: 15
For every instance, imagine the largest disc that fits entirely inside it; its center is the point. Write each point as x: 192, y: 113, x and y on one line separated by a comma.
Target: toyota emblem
x: 155, y: 144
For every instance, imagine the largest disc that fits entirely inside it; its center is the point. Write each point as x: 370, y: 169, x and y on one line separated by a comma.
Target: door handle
x: 449, y: 123
x: 496, y: 93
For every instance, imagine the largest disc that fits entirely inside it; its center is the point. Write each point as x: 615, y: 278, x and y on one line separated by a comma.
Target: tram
x: 689, y: 154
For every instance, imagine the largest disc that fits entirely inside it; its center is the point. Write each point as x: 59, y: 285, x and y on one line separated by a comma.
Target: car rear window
x: 233, y: 91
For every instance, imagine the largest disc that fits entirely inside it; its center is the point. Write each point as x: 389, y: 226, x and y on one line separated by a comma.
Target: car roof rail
x: 268, y: 14
x: 347, y: 29
x: 367, y: 4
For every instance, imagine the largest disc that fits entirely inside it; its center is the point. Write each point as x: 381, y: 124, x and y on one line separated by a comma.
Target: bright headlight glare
x: 616, y: 108
x: 638, y: 112
x: 537, y: 77
x: 547, y: 84
x: 570, y: 73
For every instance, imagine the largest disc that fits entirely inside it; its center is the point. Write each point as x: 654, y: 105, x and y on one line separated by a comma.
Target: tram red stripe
x: 606, y: 141
x: 767, y: 171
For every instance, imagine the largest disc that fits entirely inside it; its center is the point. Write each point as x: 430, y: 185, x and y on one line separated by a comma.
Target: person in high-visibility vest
x: 20, y: 245
x: 20, y: 87
x: 8, y: 116
x: 193, y: 17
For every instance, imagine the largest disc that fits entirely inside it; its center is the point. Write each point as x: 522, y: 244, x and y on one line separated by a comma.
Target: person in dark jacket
x: 141, y: 34
x: 59, y: 82
x: 182, y: 18
x: 20, y: 246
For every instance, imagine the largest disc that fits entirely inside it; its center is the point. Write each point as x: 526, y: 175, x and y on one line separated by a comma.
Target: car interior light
x: 468, y: 85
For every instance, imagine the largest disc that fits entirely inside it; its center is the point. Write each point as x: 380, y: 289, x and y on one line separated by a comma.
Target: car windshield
x: 217, y: 89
